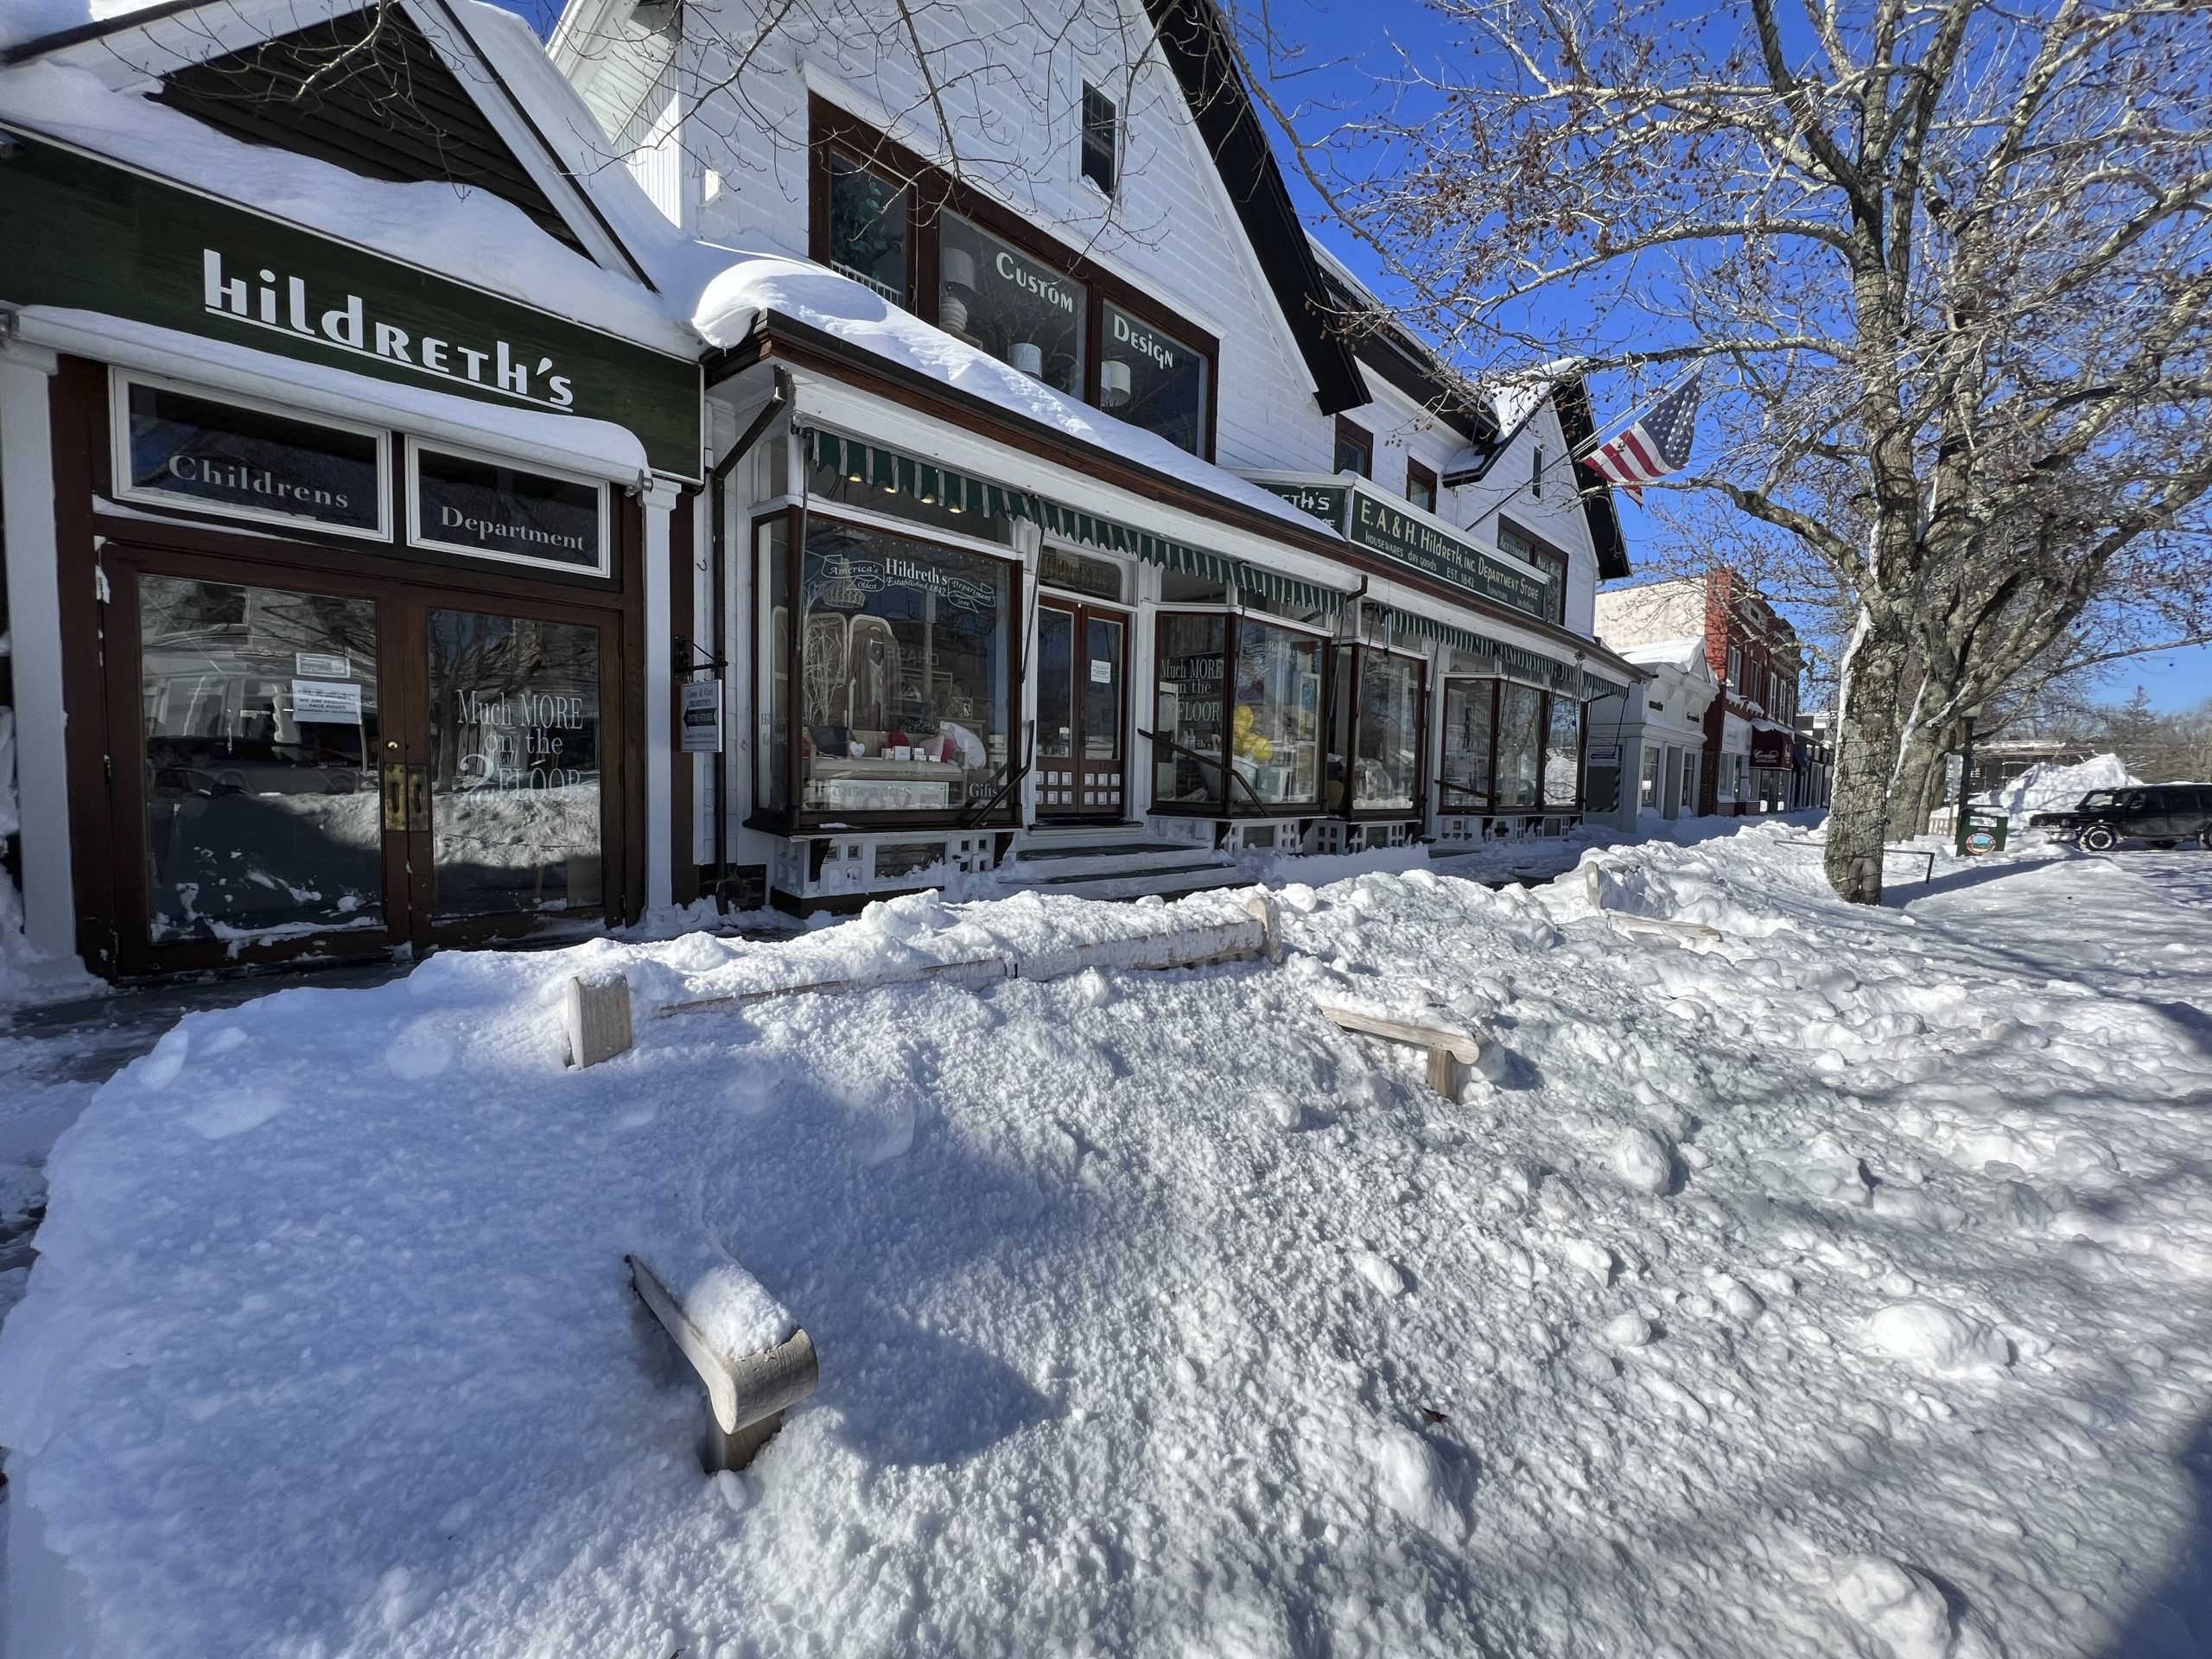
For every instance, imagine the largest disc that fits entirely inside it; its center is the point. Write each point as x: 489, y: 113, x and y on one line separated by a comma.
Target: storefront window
x: 1188, y: 715
x: 515, y: 764
x: 1151, y: 381
x: 194, y: 452
x: 1468, y: 706
x: 1563, y: 753
x: 772, y: 650
x: 903, y: 674
x: 1275, y: 723
x: 1021, y: 312
x: 868, y: 228
x: 261, y: 735
x: 1386, y: 755
x: 1520, y: 745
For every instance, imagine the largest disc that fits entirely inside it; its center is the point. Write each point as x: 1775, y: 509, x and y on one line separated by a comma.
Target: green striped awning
x: 1546, y: 671
x: 887, y: 470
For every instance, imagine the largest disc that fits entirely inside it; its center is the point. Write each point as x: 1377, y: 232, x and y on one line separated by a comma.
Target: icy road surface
x: 1841, y: 1289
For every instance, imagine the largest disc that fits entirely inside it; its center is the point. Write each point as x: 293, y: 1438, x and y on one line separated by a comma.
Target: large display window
x: 1237, y: 714
x: 1021, y: 311
x: 1520, y: 747
x: 1563, y: 753
x: 1470, y: 706
x: 898, y: 705
x: 1379, y: 722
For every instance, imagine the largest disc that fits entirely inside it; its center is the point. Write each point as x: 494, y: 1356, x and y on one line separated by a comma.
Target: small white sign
x: 326, y: 700
x: 701, y: 721
x: 1102, y: 670
x: 322, y: 666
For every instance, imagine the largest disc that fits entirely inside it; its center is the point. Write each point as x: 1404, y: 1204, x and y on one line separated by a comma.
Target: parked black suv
x: 2165, y: 816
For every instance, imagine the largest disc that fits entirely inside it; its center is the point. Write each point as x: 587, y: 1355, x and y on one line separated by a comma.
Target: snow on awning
x: 893, y: 470
x: 1546, y: 671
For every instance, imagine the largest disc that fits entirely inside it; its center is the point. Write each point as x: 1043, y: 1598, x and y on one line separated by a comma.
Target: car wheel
x: 2099, y: 838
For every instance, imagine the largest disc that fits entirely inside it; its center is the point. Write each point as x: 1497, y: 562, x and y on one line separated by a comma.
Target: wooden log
x: 1265, y: 909
x: 1653, y: 924
x: 599, y: 1018
x: 748, y: 1393
x: 1451, y: 1054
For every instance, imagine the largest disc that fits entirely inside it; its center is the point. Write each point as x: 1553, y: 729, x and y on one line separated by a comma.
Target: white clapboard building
x: 458, y: 488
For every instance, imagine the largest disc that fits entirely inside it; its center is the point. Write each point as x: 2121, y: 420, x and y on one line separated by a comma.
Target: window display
x: 1188, y: 715
x: 1152, y: 379
x: 1520, y: 746
x: 1563, y: 753
x: 515, y: 768
x: 1386, y: 754
x: 261, y: 732
x: 903, y: 674
x: 1468, y: 708
x: 771, y: 650
x: 1276, y: 723
x: 1021, y: 312
x: 868, y: 228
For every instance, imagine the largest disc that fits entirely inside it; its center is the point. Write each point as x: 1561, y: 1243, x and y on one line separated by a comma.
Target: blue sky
x: 1347, y: 46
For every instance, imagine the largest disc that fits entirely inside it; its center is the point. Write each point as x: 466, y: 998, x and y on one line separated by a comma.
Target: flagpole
x: 1598, y: 440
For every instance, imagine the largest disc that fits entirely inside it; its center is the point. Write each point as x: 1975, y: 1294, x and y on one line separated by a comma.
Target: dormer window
x: 1102, y: 139
x: 868, y: 228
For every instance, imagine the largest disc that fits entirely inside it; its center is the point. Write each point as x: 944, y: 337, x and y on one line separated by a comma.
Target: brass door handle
x: 406, y: 798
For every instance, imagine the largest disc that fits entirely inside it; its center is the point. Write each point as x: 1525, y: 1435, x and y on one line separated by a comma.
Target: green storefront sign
x: 1369, y: 521
x: 86, y: 234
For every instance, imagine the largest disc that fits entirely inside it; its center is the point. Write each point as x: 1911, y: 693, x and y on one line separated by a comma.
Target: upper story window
x: 1736, y: 669
x: 1021, y: 312
x: 869, y: 220
x: 1536, y: 471
x: 966, y: 264
x: 1549, y: 560
x: 1101, y: 139
x: 1421, y: 486
x: 1149, y: 378
x: 1355, y: 449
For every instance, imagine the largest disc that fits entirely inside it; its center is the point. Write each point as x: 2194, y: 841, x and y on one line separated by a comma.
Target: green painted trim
x: 79, y: 231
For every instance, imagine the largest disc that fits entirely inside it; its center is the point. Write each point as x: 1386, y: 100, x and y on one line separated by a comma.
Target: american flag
x: 1653, y: 446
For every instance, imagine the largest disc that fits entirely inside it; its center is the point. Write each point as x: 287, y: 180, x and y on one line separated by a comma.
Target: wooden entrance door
x: 1082, y: 764
x: 312, y: 762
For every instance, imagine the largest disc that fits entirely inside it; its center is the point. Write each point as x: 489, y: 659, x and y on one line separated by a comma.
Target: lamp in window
x: 1113, y: 383
x: 1029, y: 359
x: 958, y: 267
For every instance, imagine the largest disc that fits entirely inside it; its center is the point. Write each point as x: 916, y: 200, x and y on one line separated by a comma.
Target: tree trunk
x: 1920, y: 782
x: 1866, y: 764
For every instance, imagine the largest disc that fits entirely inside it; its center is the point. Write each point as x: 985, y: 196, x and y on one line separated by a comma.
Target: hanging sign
x: 701, y: 717
x: 328, y: 700
x: 84, y: 232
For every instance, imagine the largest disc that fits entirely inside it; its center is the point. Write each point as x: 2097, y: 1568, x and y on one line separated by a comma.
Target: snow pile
x: 735, y: 1311
x: 2049, y: 787
x: 1840, y: 1286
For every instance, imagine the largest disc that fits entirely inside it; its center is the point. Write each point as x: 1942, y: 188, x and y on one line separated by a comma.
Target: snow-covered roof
x: 1687, y: 653
x: 469, y: 235
x: 751, y: 285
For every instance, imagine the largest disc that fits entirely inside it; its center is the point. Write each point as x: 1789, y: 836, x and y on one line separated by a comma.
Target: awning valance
x: 889, y: 470
x: 1513, y: 660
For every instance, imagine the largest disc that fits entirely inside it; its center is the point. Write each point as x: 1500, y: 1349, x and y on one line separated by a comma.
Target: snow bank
x: 2051, y: 787
x: 1840, y: 1288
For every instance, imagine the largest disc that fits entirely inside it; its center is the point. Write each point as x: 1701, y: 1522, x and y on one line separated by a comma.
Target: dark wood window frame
x: 101, y: 666
x: 1352, y: 436
x: 934, y: 193
x: 1237, y: 804
x: 794, y: 820
x: 1342, y: 659
x: 1581, y: 759
x: 1487, y: 807
x: 1418, y: 474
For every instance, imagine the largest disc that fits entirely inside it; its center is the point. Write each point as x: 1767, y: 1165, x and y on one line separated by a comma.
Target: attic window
x: 1536, y: 471
x: 1101, y: 138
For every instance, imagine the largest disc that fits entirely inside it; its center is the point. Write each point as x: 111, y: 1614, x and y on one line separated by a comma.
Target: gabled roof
x: 1405, y: 363
x: 367, y: 91
x: 397, y: 91
x: 1572, y: 399
x: 1194, y: 38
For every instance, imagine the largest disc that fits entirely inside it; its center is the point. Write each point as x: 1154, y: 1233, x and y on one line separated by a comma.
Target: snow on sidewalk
x: 1840, y: 1288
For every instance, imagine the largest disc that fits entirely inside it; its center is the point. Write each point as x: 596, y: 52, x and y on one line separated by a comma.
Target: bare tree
x: 1944, y: 266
